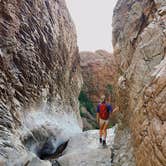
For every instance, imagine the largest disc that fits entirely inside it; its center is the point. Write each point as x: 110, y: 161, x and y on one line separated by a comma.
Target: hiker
x: 103, y: 114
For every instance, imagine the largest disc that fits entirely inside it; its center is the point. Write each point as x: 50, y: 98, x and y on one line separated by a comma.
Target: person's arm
x: 97, y: 114
x: 116, y: 109
x: 113, y: 110
x: 97, y: 117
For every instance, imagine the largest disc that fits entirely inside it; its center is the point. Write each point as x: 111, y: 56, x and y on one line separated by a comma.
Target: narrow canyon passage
x: 42, y: 74
x: 84, y: 150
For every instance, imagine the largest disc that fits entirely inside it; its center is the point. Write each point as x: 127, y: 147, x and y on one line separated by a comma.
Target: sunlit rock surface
x: 39, y: 77
x: 139, y: 39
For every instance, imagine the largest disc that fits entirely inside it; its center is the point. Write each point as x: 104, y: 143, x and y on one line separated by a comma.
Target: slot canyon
x: 43, y: 73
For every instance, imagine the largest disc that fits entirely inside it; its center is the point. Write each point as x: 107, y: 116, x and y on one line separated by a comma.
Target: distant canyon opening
x: 99, y: 77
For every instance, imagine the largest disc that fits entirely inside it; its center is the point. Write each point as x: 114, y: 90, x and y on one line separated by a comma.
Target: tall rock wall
x: 139, y: 39
x: 39, y: 72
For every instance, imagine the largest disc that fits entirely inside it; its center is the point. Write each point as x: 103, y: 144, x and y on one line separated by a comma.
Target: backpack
x: 103, y: 111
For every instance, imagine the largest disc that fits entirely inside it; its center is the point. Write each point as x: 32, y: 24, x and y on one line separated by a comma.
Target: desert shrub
x: 86, y: 102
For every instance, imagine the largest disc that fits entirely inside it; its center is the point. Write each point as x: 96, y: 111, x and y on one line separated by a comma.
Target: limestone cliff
x: 139, y: 39
x: 39, y: 74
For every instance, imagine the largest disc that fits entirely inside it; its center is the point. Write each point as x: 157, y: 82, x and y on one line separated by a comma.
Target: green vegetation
x: 111, y: 125
x: 82, y: 114
x: 85, y: 102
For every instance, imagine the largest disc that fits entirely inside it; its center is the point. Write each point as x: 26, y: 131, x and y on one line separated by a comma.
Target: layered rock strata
x: 39, y: 76
x: 139, y: 39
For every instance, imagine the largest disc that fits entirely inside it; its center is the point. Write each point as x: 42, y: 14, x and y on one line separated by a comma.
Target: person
x: 104, y: 111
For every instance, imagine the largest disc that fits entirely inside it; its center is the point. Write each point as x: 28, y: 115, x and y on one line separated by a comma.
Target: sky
x: 93, y: 21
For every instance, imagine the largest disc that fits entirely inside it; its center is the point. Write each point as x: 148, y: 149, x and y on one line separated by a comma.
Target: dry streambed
x: 84, y: 150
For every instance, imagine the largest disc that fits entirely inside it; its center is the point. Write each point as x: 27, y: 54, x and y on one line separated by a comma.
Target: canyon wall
x: 139, y: 40
x: 98, y: 71
x: 40, y: 76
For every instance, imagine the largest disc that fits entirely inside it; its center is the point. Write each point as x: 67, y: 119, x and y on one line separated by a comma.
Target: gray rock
x: 39, y: 71
x: 38, y: 162
x: 84, y: 150
x: 139, y: 45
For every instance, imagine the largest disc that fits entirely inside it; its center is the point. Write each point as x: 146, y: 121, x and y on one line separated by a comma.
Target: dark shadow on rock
x: 112, y: 155
x: 52, y: 149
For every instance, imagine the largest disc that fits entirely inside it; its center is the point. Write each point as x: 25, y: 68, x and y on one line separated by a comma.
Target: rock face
x: 98, y: 70
x: 39, y: 74
x: 139, y: 39
x: 88, y: 119
x: 122, y: 148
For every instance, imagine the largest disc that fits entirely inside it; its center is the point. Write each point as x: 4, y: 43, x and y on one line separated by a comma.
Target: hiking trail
x: 84, y: 149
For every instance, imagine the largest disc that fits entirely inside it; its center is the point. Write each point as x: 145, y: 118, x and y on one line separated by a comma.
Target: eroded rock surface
x: 88, y: 119
x: 98, y: 70
x: 39, y: 75
x: 139, y: 39
x: 123, y: 141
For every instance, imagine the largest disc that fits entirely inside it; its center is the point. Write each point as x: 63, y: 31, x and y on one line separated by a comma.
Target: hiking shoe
x: 104, y: 143
x: 100, y: 140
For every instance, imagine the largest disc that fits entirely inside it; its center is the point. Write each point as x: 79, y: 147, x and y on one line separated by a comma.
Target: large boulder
x: 139, y: 39
x: 40, y: 76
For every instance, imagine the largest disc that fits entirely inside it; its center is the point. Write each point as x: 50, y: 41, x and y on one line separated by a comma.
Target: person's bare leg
x: 101, y: 130
x: 105, y: 127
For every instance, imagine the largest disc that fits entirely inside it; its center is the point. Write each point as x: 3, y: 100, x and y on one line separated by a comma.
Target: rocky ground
x: 85, y: 150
